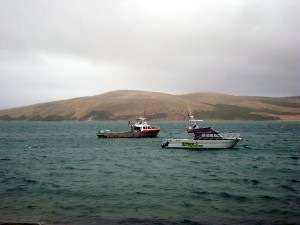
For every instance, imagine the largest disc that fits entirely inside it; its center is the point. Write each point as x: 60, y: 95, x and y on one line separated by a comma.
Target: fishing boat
x: 203, y: 138
x: 140, y: 129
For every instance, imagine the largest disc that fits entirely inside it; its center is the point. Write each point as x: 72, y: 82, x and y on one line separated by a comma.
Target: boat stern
x: 165, y: 143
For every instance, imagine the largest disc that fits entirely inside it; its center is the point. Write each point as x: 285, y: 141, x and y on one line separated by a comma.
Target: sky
x: 61, y: 49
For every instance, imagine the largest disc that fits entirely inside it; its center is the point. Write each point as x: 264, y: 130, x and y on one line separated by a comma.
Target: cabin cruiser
x: 203, y: 138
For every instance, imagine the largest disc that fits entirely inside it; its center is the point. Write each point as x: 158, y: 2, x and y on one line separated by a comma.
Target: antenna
x: 191, y: 117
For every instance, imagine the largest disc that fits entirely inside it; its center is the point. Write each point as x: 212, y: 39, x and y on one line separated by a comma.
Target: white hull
x: 200, y: 144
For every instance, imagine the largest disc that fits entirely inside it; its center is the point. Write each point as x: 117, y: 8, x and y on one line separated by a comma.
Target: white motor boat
x: 203, y: 138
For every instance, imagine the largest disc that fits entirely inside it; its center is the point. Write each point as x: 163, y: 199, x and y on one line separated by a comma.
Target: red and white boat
x: 140, y: 129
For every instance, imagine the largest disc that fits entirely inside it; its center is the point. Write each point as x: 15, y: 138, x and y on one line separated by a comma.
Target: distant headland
x: 127, y: 104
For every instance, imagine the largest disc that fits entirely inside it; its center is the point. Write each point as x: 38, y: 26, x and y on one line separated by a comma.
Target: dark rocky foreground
x: 20, y: 224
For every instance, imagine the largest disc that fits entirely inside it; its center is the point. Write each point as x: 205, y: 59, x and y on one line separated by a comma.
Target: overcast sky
x: 60, y: 49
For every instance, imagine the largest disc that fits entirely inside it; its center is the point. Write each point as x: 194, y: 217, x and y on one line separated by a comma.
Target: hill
x: 126, y: 105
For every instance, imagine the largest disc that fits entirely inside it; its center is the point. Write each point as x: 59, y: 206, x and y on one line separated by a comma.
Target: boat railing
x: 208, y: 138
x: 230, y: 135
x: 104, y: 131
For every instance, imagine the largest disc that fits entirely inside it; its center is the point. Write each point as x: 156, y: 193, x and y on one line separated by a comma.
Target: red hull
x: 130, y: 134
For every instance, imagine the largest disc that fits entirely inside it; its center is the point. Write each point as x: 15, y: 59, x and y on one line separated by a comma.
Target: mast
x: 191, y: 117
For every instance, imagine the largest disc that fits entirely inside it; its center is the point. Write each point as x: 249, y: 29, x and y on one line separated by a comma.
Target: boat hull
x: 129, y: 134
x: 199, y: 144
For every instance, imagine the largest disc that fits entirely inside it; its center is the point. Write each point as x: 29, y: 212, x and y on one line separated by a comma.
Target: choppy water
x: 61, y: 173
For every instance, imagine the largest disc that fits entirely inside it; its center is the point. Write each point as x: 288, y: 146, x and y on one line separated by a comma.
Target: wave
x: 268, y: 198
x: 141, y: 193
x: 294, y: 157
x: 201, y: 192
x: 289, y: 188
x: 133, y: 221
x: 231, y: 196
x: 17, y: 188
x: 30, y: 181
x: 74, y: 168
x: 35, y: 146
x: 5, y: 159
x: 245, y: 180
x: 225, y: 195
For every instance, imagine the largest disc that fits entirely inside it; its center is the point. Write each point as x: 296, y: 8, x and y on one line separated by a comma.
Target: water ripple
x: 61, y: 173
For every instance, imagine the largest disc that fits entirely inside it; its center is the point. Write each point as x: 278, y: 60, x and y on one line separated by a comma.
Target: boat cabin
x: 140, y: 125
x: 205, y: 133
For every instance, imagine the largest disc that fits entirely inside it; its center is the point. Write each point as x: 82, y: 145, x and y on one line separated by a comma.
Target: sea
x: 62, y: 173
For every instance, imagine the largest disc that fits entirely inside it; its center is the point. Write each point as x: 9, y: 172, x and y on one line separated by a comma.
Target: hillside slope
x: 125, y: 105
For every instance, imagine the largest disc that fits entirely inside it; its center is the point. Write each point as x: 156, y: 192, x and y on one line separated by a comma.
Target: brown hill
x: 125, y: 105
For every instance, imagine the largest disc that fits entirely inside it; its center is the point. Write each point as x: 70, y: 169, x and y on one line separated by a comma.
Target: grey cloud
x: 88, y: 47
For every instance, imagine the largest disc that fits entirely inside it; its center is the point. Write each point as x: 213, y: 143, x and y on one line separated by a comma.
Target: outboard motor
x: 164, y: 144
